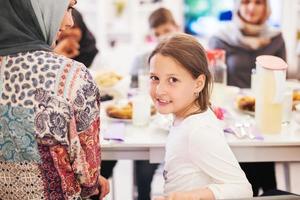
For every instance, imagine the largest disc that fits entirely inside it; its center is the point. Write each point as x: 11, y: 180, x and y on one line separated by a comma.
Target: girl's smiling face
x: 172, y: 87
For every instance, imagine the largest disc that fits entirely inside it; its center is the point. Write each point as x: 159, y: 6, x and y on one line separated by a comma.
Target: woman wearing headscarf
x: 49, y: 108
x: 245, y: 38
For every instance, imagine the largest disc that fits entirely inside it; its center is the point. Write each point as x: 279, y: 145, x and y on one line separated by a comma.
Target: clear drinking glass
x: 141, y: 110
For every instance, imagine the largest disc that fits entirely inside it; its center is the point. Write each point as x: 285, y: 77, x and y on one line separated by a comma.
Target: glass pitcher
x: 270, y: 81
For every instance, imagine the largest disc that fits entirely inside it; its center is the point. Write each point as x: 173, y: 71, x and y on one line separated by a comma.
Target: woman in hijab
x: 49, y: 108
x: 247, y: 37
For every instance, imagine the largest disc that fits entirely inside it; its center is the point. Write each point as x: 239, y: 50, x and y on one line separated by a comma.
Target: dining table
x: 148, y: 143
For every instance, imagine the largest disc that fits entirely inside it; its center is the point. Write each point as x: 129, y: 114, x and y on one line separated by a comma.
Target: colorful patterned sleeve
x: 84, y: 131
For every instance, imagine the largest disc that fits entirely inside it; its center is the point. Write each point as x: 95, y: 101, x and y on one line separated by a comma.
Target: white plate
x: 112, y: 119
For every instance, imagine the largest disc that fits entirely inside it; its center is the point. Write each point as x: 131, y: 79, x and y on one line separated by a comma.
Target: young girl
x: 198, y: 162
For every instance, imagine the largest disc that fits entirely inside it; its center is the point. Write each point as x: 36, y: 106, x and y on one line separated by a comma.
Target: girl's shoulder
x: 201, y: 121
x: 204, y: 117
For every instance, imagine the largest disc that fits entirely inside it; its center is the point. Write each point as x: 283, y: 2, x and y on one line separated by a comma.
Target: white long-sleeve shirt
x: 198, y: 156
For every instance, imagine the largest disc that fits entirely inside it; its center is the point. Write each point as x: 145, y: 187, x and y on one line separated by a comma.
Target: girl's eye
x: 153, y: 78
x: 173, y: 80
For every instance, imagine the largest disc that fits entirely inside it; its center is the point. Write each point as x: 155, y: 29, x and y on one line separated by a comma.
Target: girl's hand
x: 104, y: 187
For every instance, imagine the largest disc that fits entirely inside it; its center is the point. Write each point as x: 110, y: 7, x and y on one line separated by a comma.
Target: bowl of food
x: 112, y: 83
x: 107, y: 79
x: 246, y: 104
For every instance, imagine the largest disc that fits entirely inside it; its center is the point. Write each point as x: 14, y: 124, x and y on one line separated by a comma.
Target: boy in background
x: 162, y: 24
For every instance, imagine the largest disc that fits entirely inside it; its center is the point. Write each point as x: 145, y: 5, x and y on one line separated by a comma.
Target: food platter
x: 122, y: 112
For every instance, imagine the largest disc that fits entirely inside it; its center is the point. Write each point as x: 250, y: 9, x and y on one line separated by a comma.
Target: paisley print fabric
x: 85, y: 103
x: 49, y: 128
x: 89, y: 142
x: 23, y: 73
x: 17, y: 138
x: 52, y: 116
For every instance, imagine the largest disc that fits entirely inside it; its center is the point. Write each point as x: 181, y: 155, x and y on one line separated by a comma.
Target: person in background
x: 68, y: 43
x: 199, y: 163
x: 49, y: 108
x: 247, y: 37
x: 162, y: 24
x: 77, y: 42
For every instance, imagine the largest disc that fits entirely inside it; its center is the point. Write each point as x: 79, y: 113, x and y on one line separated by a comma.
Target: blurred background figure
x: 162, y: 24
x: 77, y: 42
x: 68, y: 43
x: 247, y: 37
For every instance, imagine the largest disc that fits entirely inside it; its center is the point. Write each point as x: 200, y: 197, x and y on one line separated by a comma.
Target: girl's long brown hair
x: 187, y: 51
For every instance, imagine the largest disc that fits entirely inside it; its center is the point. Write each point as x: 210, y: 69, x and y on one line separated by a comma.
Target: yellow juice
x: 268, y: 114
x: 270, y: 118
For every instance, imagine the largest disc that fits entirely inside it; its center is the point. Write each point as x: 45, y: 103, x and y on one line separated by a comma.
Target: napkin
x: 240, y: 126
x: 115, y: 131
x: 244, y: 131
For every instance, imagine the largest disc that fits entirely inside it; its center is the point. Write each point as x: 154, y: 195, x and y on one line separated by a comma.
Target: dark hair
x: 187, y: 51
x: 161, y: 16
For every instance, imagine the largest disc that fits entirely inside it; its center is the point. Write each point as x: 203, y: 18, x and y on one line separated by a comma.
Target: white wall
x: 98, y: 15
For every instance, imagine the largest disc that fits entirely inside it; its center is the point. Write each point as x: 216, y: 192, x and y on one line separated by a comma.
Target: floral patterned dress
x: 49, y: 128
